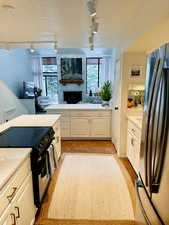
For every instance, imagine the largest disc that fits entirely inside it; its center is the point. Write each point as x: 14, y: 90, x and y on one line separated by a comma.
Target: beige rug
x: 90, y: 186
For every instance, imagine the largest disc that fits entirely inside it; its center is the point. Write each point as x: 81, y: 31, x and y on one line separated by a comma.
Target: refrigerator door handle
x: 163, y: 129
x: 138, y: 185
x: 151, y: 116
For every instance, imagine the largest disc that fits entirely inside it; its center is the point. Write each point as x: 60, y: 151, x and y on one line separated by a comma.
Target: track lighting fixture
x: 55, y: 47
x: 32, y: 50
x: 95, y: 26
x: 92, y: 47
x: 26, y: 44
x: 91, y: 4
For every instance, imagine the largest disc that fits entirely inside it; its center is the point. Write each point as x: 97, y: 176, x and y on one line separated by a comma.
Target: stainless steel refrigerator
x: 152, y: 186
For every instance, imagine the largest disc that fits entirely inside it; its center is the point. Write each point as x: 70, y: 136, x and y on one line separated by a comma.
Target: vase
x: 105, y: 103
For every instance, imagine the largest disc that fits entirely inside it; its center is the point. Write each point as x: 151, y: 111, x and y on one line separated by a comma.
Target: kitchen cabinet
x: 133, y: 145
x: 80, y: 127
x: 87, y: 124
x: 56, y: 128
x: 25, y: 215
x: 100, y: 127
x: 19, y: 208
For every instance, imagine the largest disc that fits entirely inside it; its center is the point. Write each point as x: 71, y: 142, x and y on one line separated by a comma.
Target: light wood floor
x: 86, y: 147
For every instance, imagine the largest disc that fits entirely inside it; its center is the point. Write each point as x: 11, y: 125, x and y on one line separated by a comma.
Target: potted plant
x: 106, y: 93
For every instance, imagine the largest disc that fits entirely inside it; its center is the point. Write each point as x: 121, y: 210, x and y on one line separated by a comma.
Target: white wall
x: 127, y: 60
x: 15, y: 67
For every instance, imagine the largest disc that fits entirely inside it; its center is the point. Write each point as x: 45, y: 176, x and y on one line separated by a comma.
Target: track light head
x: 91, y: 4
x: 32, y: 50
x: 55, y: 47
x: 95, y: 27
x: 92, y: 47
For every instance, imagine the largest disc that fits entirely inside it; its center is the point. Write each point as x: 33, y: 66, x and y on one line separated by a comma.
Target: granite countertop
x: 10, y: 160
x: 137, y: 120
x: 77, y: 107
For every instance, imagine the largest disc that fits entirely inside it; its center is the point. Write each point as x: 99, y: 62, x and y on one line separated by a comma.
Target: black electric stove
x: 37, y: 138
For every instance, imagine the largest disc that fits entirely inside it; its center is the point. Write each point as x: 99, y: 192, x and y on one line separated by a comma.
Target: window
x: 50, y: 77
x: 93, y: 66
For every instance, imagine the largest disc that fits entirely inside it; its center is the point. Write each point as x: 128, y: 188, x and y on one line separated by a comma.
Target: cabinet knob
x: 116, y: 108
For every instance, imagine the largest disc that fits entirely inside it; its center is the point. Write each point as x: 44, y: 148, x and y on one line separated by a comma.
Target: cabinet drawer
x: 8, y: 192
x: 134, y: 130
x: 63, y: 113
x: 95, y: 113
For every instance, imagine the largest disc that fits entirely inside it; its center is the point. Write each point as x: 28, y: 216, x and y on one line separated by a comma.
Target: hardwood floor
x: 105, y: 147
x: 88, y: 147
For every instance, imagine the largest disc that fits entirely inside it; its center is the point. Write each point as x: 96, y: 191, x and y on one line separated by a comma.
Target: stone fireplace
x: 72, y: 97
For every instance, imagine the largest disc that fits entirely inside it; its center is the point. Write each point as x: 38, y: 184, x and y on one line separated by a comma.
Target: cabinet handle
x: 132, y: 141
x: 133, y: 130
x: 13, y: 218
x: 18, y: 212
x: 10, y: 197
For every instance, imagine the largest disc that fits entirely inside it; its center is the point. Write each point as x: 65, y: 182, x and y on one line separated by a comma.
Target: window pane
x: 92, y: 77
x: 51, y: 84
x: 49, y: 68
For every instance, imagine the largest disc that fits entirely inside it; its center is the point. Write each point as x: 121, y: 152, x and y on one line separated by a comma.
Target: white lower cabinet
x: 133, y: 147
x: 22, y: 208
x: 80, y: 127
x: 16, y: 198
x: 84, y: 123
x: 100, y: 127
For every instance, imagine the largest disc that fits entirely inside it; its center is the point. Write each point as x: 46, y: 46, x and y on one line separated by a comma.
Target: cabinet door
x: 57, y: 139
x: 80, y: 127
x: 24, y: 206
x: 10, y: 219
x: 100, y: 127
x: 130, y: 148
x: 133, y: 151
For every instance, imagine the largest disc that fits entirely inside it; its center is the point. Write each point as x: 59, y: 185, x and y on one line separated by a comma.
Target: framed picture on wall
x: 136, y: 71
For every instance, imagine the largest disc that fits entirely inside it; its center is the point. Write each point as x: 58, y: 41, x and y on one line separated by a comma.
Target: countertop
x: 32, y: 120
x: 77, y: 107
x: 11, y: 158
x: 137, y: 120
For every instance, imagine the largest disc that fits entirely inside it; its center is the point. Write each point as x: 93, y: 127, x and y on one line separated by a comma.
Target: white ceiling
x: 121, y: 21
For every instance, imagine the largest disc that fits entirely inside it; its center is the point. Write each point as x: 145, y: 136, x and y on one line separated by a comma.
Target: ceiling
x: 67, y: 21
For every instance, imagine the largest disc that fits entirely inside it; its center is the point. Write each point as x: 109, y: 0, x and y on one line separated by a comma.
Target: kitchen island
x: 83, y: 121
x: 16, y: 187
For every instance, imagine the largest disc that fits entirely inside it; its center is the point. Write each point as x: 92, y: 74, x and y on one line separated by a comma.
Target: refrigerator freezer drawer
x: 145, y: 213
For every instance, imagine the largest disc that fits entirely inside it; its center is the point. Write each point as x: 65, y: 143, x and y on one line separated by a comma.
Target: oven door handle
x: 54, y: 158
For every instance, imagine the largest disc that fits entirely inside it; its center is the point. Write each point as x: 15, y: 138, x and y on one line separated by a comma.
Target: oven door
x: 44, y: 175
x: 53, y: 159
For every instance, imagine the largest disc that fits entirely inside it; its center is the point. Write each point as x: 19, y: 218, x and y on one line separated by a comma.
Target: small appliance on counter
x: 43, y: 155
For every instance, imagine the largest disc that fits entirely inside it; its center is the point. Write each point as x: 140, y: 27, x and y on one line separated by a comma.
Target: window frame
x: 98, y: 74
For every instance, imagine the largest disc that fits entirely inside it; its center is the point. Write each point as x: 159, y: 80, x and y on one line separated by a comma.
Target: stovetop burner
x: 20, y: 137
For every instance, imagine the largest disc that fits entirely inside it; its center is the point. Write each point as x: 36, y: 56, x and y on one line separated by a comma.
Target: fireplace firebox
x: 72, y: 97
